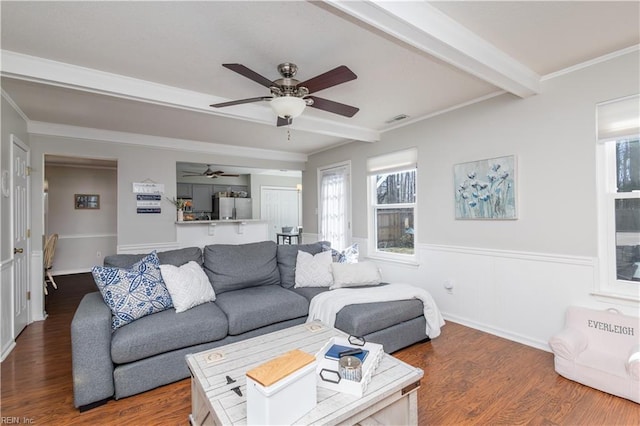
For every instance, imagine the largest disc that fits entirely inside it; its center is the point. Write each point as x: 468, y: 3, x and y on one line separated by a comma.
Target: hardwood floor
x: 470, y: 378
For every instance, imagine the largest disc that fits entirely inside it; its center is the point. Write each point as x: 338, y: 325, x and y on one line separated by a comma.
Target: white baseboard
x: 535, y: 343
x: 6, y: 351
x: 71, y: 271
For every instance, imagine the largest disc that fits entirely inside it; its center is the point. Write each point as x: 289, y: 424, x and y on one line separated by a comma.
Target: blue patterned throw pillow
x: 135, y: 292
x: 348, y: 255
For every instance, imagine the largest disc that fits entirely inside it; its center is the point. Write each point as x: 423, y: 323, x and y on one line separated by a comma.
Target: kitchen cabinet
x: 202, y: 197
x: 201, y: 194
x: 184, y: 190
x: 230, y: 188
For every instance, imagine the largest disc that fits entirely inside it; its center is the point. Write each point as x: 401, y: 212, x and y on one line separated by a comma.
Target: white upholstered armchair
x: 601, y: 349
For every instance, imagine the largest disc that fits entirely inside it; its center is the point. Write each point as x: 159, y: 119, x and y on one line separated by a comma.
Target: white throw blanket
x: 325, y: 306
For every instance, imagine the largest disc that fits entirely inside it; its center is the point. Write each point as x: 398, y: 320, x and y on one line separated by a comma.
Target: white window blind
x: 394, y: 161
x: 619, y: 118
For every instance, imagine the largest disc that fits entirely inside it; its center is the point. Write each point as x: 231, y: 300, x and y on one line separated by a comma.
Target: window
x: 618, y: 153
x: 334, y: 212
x: 392, y: 195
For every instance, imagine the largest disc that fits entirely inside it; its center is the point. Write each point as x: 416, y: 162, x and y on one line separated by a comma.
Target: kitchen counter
x: 190, y: 222
x: 200, y: 233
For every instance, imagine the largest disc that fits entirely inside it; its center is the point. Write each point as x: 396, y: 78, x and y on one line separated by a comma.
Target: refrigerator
x: 231, y: 208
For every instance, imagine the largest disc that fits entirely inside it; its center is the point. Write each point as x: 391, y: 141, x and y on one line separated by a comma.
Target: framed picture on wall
x: 87, y: 201
x: 486, y: 189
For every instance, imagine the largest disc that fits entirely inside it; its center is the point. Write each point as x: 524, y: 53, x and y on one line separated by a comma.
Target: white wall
x: 12, y: 123
x: 138, y: 161
x: 512, y: 278
x: 85, y: 235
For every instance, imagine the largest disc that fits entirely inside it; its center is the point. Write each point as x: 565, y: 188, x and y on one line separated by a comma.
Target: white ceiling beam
x: 40, y: 70
x: 75, y: 132
x: 431, y: 31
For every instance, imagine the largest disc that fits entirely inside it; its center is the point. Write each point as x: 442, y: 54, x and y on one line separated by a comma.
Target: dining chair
x: 49, y: 251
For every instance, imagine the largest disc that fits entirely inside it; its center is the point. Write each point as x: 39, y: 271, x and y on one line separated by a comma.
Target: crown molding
x: 444, y: 111
x: 60, y: 74
x: 592, y: 62
x: 74, y: 132
x: 431, y: 31
x: 15, y: 106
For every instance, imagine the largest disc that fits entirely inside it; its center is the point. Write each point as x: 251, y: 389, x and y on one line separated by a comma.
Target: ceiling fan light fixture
x: 288, y: 106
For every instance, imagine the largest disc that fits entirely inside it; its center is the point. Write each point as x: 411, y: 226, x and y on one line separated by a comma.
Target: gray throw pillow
x: 170, y: 257
x: 234, y: 267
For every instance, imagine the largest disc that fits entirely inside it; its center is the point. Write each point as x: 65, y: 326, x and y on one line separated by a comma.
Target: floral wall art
x: 486, y: 189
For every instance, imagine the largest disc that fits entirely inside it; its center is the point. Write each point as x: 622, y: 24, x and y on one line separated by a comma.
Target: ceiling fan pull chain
x: 289, y: 121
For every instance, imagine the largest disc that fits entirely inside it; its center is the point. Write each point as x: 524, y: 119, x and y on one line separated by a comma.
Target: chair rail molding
x: 6, y: 298
x: 146, y: 248
x: 514, y: 254
x: 521, y: 296
x: 74, y: 236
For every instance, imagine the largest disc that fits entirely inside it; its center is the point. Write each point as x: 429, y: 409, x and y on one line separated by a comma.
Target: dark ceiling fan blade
x: 284, y: 121
x: 333, y: 106
x: 336, y: 76
x: 241, y: 101
x: 211, y: 174
x: 250, y: 74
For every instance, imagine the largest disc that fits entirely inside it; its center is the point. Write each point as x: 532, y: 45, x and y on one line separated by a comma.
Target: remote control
x: 350, y: 352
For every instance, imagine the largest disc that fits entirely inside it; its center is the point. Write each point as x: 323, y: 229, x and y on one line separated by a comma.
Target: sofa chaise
x: 255, y: 294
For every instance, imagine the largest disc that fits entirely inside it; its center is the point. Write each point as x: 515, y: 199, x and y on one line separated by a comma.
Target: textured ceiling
x: 154, y: 67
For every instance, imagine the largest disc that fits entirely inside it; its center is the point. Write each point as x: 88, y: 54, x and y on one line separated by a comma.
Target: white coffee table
x: 390, y: 398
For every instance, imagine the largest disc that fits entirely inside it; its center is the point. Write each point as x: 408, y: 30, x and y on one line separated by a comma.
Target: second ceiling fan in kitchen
x: 210, y: 173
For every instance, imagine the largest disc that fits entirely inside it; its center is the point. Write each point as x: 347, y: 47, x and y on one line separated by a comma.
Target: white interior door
x: 21, y: 248
x: 280, y: 207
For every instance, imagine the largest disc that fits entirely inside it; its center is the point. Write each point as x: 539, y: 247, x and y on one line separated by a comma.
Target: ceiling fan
x: 289, y: 96
x: 210, y: 173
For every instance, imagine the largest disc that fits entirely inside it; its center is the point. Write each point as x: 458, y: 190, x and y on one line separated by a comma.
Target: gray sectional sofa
x: 255, y: 294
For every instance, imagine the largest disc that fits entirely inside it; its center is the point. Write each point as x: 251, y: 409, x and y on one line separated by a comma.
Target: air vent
x: 397, y: 118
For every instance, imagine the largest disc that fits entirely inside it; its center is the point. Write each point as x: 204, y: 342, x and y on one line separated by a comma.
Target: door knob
x: 17, y: 250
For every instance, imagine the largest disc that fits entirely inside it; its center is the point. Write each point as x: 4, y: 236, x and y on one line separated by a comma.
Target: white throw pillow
x: 313, y: 270
x: 188, y: 285
x: 355, y: 274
